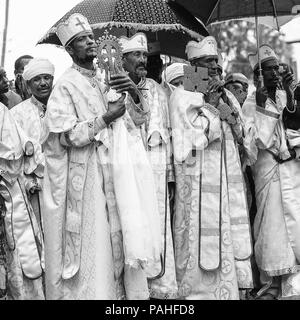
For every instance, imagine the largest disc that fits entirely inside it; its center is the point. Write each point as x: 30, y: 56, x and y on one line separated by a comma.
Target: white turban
x: 36, y: 67
x: 173, y: 71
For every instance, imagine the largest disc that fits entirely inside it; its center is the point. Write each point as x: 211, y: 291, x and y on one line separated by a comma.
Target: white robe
x: 24, y: 260
x: 211, y: 226
x: 277, y: 222
x: 84, y: 205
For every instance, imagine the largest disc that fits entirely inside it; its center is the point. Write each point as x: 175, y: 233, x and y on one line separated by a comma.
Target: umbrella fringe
x: 137, y: 26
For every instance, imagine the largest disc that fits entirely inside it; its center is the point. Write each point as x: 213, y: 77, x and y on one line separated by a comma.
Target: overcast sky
x: 29, y: 20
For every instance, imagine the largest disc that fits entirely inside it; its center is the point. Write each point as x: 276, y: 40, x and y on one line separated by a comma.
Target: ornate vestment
x: 211, y: 225
x: 25, y: 256
x: 276, y: 225
x: 83, y: 241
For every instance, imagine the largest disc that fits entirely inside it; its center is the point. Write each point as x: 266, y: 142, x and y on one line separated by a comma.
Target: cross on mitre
x: 268, y: 52
x: 141, y: 40
x: 80, y: 23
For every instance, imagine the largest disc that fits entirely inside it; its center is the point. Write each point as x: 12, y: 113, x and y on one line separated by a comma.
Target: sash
x: 238, y: 208
x: 22, y: 226
x: 210, y: 206
x: 76, y: 180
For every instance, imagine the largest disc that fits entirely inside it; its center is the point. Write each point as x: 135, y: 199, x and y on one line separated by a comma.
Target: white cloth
x: 136, y: 198
x: 36, y: 67
x: 173, y: 71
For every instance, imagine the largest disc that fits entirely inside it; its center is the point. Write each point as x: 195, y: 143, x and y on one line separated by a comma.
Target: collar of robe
x: 85, y: 72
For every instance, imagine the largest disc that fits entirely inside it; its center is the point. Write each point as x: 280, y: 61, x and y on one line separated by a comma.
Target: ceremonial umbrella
x: 274, y: 12
x: 168, y: 23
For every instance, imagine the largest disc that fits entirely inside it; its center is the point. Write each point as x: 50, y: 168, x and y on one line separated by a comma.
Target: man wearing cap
x: 211, y: 229
x: 22, y: 243
x: 238, y: 85
x: 30, y: 117
x: 83, y: 238
x: 148, y: 107
x: 274, y: 157
x: 172, y: 77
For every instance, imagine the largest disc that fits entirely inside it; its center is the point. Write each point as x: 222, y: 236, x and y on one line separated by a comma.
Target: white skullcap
x: 265, y: 53
x: 36, y: 67
x: 173, y: 71
x: 207, y: 47
x: 137, y: 42
x: 73, y: 26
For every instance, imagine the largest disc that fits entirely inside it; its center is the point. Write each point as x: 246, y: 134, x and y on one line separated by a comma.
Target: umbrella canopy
x: 222, y: 10
x: 165, y: 22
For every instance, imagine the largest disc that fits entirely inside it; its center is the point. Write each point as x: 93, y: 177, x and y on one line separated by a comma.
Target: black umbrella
x: 221, y: 10
x: 168, y: 23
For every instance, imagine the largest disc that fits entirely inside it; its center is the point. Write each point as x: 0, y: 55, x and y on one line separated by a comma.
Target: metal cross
x: 109, y: 53
x: 80, y: 23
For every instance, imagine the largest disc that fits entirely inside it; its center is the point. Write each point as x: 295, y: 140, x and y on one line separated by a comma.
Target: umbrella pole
x: 260, y: 77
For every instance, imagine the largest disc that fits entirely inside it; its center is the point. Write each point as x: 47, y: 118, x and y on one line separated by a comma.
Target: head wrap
x: 207, y: 47
x: 137, y: 42
x: 173, y: 71
x: 36, y: 67
x: 236, y: 77
x: 75, y: 25
x: 265, y: 53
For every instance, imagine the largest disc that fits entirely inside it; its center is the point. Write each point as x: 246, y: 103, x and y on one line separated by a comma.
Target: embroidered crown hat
x: 236, y: 77
x: 72, y: 27
x: 265, y: 52
x: 36, y: 67
x: 206, y: 47
x: 137, y: 42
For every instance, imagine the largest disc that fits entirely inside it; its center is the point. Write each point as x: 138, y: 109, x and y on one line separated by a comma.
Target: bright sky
x: 29, y: 20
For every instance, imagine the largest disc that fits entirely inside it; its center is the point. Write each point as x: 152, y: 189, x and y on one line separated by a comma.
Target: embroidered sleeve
x: 82, y: 134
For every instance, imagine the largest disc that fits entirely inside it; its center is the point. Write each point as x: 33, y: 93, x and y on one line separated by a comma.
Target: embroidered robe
x: 277, y: 186
x: 24, y: 257
x: 211, y: 226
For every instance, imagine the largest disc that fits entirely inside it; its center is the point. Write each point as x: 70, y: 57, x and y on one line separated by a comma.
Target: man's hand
x: 35, y: 188
x: 261, y: 95
x: 29, y: 149
x: 121, y: 82
x: 214, y: 91
x: 292, y: 153
x: 115, y: 110
x: 287, y: 80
